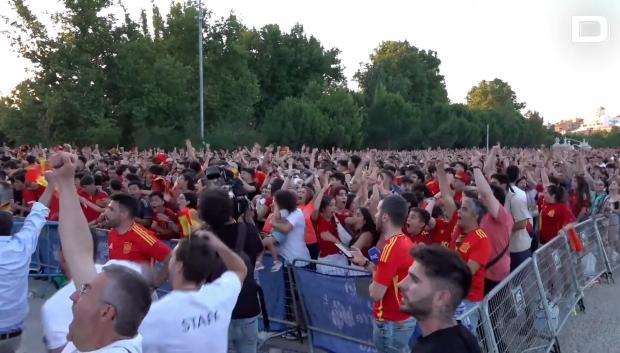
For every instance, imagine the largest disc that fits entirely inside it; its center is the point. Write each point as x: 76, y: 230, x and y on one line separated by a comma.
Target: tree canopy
x: 134, y: 82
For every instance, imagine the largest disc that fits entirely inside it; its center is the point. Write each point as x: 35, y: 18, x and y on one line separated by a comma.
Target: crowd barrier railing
x: 279, y: 289
x: 338, y: 312
x: 524, y: 313
x: 609, y: 230
x: 591, y: 263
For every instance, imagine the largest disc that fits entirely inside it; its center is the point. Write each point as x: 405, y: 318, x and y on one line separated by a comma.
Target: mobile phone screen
x: 344, y: 250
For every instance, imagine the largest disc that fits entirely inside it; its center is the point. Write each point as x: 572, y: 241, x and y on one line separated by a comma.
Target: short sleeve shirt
x: 498, y: 230
x: 475, y: 246
x: 393, y: 267
x: 519, y: 240
x: 326, y: 247
x: 553, y: 217
x: 138, y: 245
x: 191, y: 321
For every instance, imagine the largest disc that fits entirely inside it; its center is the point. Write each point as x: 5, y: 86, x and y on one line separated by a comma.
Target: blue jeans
x: 393, y: 337
x: 243, y: 335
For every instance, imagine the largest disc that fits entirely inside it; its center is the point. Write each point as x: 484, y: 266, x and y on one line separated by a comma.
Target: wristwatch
x: 366, y: 264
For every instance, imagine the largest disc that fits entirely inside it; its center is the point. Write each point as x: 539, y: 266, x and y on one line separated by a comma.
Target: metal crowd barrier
x: 558, y: 278
x: 591, y: 263
x: 524, y: 313
x: 472, y: 319
x: 280, y: 291
x: 514, y: 313
x: 338, y: 312
x: 609, y: 230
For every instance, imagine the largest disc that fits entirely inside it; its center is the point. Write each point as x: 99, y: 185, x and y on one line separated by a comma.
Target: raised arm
x: 317, y: 200
x: 544, y: 177
x: 486, y: 193
x: 446, y: 192
x: 77, y: 244
x: 581, y: 167
x: 491, y: 160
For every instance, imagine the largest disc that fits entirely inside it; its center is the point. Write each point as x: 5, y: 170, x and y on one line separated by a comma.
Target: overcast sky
x: 527, y: 43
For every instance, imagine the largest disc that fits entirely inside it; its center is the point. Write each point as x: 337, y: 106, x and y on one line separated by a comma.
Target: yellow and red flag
x: 34, y: 174
x: 188, y: 220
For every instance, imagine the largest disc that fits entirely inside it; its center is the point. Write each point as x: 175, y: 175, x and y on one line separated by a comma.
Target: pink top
x: 498, y: 230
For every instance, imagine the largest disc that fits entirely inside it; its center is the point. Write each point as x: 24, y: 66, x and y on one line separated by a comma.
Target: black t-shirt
x: 247, y: 303
x: 455, y: 339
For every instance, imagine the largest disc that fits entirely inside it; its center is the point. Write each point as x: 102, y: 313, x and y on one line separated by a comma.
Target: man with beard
x: 129, y: 240
x: 392, y: 328
x: 437, y: 282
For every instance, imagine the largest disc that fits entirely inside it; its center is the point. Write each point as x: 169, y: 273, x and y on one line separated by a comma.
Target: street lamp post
x: 202, y: 114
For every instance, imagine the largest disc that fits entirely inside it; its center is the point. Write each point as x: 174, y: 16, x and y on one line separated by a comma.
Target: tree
x: 231, y: 88
x: 401, y: 68
x: 294, y: 122
x: 392, y: 122
x: 344, y: 116
x: 495, y: 94
x: 67, y: 88
x: 285, y: 63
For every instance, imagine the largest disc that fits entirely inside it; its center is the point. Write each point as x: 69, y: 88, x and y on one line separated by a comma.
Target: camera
x: 224, y: 179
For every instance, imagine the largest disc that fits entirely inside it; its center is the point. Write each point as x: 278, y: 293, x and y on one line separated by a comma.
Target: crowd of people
x: 437, y: 229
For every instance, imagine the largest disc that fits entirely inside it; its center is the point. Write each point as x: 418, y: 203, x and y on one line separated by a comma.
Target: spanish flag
x: 34, y: 174
x: 188, y: 219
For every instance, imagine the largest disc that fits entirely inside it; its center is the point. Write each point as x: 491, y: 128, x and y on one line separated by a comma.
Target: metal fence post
x: 543, y: 295
x: 485, y: 318
x: 303, y: 307
x: 609, y: 275
x: 573, y: 272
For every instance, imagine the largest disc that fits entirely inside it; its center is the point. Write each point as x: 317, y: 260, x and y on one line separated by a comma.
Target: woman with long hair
x: 555, y: 216
x: 580, y: 198
x: 324, y: 219
x: 188, y: 213
x: 366, y: 235
x: 599, y: 196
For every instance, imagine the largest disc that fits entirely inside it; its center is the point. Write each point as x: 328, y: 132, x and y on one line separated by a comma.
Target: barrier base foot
x: 609, y: 277
x: 581, y: 306
x: 556, y: 347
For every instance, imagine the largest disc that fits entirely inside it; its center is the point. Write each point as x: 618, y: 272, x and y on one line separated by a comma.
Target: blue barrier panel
x: 274, y: 288
x: 338, y: 306
x: 49, y: 249
x: 102, y: 246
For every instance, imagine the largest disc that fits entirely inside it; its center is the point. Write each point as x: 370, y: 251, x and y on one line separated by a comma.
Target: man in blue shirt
x: 15, y: 253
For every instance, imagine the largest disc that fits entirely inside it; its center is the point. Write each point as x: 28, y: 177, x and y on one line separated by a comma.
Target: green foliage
x: 392, y: 122
x: 234, y: 133
x: 135, y: 82
x: 495, y: 94
x: 295, y: 122
x: 401, y: 68
x: 285, y: 63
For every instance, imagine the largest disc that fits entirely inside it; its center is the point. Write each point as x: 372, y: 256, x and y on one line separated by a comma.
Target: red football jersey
x: 138, y: 245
